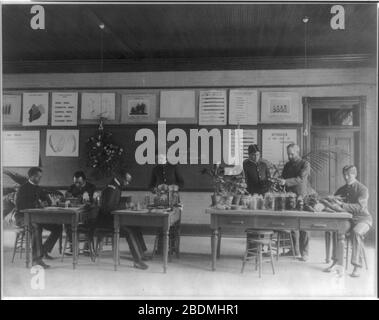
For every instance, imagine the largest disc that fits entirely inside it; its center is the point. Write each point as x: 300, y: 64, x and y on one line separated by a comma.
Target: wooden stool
x: 284, y: 241
x: 255, y: 240
x: 19, y: 243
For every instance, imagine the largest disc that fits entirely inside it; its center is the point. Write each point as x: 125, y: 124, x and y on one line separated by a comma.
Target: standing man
x: 29, y: 196
x: 355, y: 200
x: 256, y: 171
x: 295, y: 177
x: 110, y: 201
x: 165, y: 173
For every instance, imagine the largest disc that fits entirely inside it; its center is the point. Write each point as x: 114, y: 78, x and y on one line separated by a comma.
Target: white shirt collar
x: 118, y: 182
x: 31, y: 182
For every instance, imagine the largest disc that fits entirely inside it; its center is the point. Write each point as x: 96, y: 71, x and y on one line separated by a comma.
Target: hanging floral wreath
x: 104, y: 156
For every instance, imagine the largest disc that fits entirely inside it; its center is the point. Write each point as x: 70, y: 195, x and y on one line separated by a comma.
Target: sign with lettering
x: 281, y: 107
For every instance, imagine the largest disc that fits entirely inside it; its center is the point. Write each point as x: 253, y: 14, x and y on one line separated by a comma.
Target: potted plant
x: 216, y: 172
x: 235, y: 187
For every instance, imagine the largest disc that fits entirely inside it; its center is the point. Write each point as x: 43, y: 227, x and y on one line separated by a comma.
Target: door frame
x: 310, y: 103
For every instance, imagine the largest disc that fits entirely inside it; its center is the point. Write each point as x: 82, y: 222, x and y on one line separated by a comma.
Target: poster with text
x: 281, y: 107
x: 20, y: 148
x: 212, y: 107
x: 243, y: 106
x: 35, y: 109
x: 64, y: 110
x: 274, y: 145
x: 62, y: 143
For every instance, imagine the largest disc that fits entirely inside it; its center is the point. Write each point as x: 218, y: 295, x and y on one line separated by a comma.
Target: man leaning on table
x: 354, y: 197
x: 110, y: 201
x: 29, y: 196
x: 295, y: 177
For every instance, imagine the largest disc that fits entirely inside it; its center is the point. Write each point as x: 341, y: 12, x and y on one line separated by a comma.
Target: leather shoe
x: 40, y: 263
x: 48, y: 257
x: 146, y: 258
x: 140, y: 265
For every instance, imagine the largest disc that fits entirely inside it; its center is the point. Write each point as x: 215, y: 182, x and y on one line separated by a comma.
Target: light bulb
x: 305, y: 19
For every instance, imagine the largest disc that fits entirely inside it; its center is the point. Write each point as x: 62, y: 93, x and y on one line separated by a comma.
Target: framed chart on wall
x: 35, y: 111
x: 11, y: 109
x: 139, y: 108
x: 62, y: 143
x: 281, y: 107
x: 274, y: 145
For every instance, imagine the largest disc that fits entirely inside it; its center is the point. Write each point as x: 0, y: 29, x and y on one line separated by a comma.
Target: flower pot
x: 228, y: 200
x: 215, y: 199
x: 236, y: 199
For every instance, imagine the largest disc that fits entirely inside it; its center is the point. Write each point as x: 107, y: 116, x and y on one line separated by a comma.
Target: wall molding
x: 188, y: 64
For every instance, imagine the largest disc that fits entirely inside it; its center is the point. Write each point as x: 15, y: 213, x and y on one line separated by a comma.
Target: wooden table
x: 56, y: 215
x: 130, y: 218
x: 277, y: 220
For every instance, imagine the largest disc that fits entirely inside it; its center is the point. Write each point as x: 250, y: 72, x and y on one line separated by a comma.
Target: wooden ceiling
x: 184, y: 37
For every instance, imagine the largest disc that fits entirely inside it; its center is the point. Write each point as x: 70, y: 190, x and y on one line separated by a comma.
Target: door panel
x: 328, y: 179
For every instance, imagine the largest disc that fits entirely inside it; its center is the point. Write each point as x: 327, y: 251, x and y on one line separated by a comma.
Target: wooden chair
x: 255, y: 240
x: 83, y: 237
x: 19, y: 243
x: 174, y: 241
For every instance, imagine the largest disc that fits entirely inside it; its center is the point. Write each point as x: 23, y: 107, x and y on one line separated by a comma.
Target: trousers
x: 357, y: 232
x: 301, y: 242
x: 39, y: 249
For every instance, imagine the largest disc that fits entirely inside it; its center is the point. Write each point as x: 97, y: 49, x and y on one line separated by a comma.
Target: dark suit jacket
x: 110, y: 201
x: 29, y: 196
x: 166, y: 174
x: 257, y: 175
x: 296, y: 175
x: 77, y: 192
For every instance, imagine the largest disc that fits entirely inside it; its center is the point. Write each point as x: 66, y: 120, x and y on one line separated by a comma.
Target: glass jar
x: 291, y: 201
x: 253, y: 202
x: 269, y: 201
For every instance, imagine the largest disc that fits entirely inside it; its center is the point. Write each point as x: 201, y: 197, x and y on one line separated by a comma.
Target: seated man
x: 355, y: 196
x: 110, y: 201
x: 29, y: 196
x: 83, y: 190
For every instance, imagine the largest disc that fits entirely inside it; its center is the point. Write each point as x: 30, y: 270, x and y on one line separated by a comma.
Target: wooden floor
x: 190, y: 276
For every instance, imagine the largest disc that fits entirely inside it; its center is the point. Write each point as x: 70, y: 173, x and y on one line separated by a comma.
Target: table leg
x: 116, y: 242
x: 165, y: 249
x: 219, y: 244
x: 340, y: 249
x: 328, y: 235
x: 214, y: 241
x: 28, y: 236
x: 74, y: 245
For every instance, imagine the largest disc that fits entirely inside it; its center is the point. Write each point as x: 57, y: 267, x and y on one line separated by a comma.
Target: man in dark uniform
x: 83, y: 190
x: 110, y: 201
x: 31, y: 195
x: 355, y: 200
x: 295, y: 177
x: 256, y: 172
x: 165, y: 173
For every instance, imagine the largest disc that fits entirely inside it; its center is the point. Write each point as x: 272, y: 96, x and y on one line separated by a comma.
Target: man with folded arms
x: 30, y: 196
